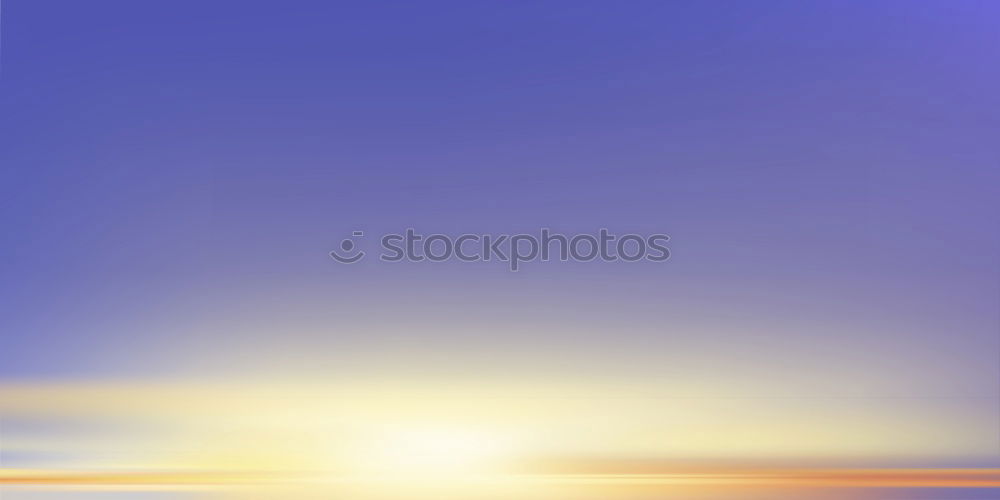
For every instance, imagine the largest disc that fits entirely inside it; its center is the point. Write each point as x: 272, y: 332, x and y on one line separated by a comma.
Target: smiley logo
x: 347, y: 246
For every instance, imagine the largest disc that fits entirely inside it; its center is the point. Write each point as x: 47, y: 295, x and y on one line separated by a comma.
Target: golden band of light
x: 897, y: 478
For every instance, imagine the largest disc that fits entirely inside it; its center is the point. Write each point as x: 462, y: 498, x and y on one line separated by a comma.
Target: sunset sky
x: 175, y: 174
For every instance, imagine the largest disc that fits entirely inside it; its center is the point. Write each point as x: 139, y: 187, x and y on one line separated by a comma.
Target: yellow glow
x: 434, y: 428
x: 427, y: 452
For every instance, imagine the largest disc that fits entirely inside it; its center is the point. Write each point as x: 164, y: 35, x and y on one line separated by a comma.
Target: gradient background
x: 174, y: 174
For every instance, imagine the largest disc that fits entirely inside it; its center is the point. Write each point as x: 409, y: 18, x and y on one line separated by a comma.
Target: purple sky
x: 175, y: 173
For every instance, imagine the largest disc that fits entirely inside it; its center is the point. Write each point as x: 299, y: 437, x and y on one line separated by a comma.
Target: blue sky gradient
x: 174, y: 174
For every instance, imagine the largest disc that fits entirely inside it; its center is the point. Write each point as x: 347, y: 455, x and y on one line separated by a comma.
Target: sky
x: 175, y: 174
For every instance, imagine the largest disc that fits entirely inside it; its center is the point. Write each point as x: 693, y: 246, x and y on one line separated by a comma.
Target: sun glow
x: 429, y: 452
